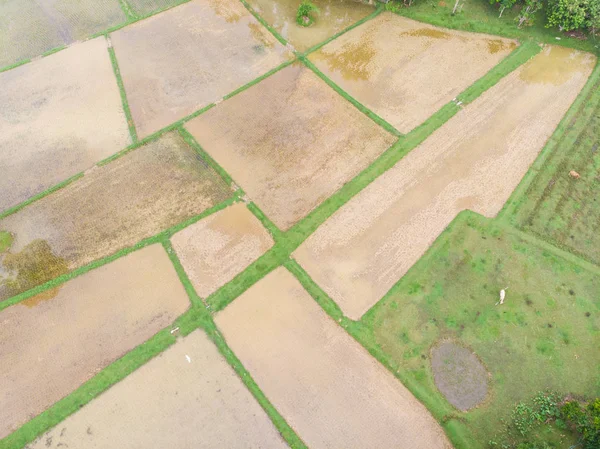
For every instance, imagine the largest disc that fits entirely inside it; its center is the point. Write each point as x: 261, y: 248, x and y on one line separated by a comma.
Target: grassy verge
x: 126, y: 109
x: 264, y: 23
x: 128, y: 11
x: 479, y: 16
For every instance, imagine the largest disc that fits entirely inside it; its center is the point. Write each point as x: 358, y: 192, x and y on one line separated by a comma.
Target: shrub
x: 305, y: 16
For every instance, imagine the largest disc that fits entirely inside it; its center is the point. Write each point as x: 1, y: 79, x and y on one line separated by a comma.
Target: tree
x: 593, y: 21
x: 305, y: 16
x: 568, y: 15
x: 504, y: 4
x: 527, y: 15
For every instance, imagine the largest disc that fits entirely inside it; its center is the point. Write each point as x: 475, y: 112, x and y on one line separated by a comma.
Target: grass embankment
x: 481, y: 17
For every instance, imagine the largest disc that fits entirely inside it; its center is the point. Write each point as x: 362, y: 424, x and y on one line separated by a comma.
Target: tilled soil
x: 188, y: 397
x: 295, y: 150
x: 52, y: 343
x: 214, y: 250
x: 405, y: 70
x: 474, y: 161
x: 327, y: 387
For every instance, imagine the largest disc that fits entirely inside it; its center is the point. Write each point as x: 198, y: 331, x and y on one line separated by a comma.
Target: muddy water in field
x: 334, y: 16
x: 114, y: 206
x: 556, y: 65
x: 473, y: 161
x: 187, y: 397
x: 58, y: 117
x: 326, y: 386
x: 303, y: 143
x: 220, y: 246
x: 405, y: 70
x: 53, y: 342
x: 179, y: 61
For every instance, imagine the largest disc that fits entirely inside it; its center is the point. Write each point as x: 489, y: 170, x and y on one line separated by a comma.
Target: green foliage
x: 593, y: 18
x: 6, y: 240
x: 528, y: 12
x: 305, y: 16
x: 503, y: 4
x: 567, y: 15
x: 585, y: 420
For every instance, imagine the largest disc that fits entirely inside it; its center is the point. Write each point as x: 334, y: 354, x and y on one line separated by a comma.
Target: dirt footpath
x: 52, y: 343
x: 136, y: 196
x: 179, y: 61
x: 405, y: 70
x: 60, y: 115
x: 302, y: 144
x: 473, y: 162
x: 326, y: 386
x: 214, y: 250
x: 186, y: 398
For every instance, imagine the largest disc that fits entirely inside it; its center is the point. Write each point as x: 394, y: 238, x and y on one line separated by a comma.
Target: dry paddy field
x: 327, y: 387
x: 114, y: 206
x: 334, y: 16
x: 188, y: 397
x: 217, y: 248
x: 59, y: 116
x: 474, y: 162
x: 29, y: 28
x: 302, y: 144
x: 54, y: 342
x: 179, y: 61
x: 403, y: 70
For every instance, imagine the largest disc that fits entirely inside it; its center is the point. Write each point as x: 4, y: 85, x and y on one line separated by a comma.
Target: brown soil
x: 216, y: 249
x: 53, y: 344
x: 176, y: 62
x: 29, y: 28
x: 170, y: 402
x: 302, y: 144
x: 334, y: 16
x: 405, y: 70
x: 459, y: 375
x: 473, y: 162
x: 75, y: 91
x: 326, y: 386
x: 136, y: 196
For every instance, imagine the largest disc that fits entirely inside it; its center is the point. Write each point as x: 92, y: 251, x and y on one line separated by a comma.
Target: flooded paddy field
x: 188, y: 396
x: 334, y: 16
x: 60, y: 115
x: 179, y: 61
x: 114, y: 206
x: 217, y: 248
x: 404, y: 70
x: 474, y: 162
x: 302, y: 144
x: 320, y: 379
x: 54, y: 342
x: 29, y: 28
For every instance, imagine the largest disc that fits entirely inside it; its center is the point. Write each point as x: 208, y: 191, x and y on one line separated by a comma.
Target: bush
x: 305, y: 16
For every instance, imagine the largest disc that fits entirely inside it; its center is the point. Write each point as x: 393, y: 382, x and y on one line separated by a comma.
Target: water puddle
x: 556, y: 65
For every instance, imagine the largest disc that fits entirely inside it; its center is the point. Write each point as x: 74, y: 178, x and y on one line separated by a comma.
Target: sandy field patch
x: 474, y: 161
x: 459, y: 375
x: 59, y: 116
x: 303, y: 143
x: 29, y: 28
x: 52, y: 343
x: 405, y: 70
x: 214, y: 250
x: 171, y: 402
x: 143, y: 7
x: 176, y: 62
x: 133, y: 197
x: 326, y: 386
x: 334, y: 16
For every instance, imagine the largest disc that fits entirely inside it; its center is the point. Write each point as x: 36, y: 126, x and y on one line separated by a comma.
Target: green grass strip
x: 183, y: 277
x: 34, y: 198
x: 128, y: 11
x: 53, y: 50
x: 130, y: 123
x: 15, y: 65
x: 259, y: 79
x: 275, y: 232
x: 88, y: 391
x: 157, y: 238
x: 376, y: 118
x: 264, y: 23
x: 511, y: 62
x: 519, y: 196
x: 380, y: 8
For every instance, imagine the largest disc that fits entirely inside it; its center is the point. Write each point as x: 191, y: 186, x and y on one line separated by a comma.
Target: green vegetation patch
x: 562, y: 203
x: 6, y: 240
x: 541, y: 337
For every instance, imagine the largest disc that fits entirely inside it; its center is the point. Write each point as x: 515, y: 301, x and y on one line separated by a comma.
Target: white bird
x: 502, y: 296
x: 189, y: 359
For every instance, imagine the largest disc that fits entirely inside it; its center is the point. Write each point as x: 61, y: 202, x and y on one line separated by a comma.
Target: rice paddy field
x: 222, y: 229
